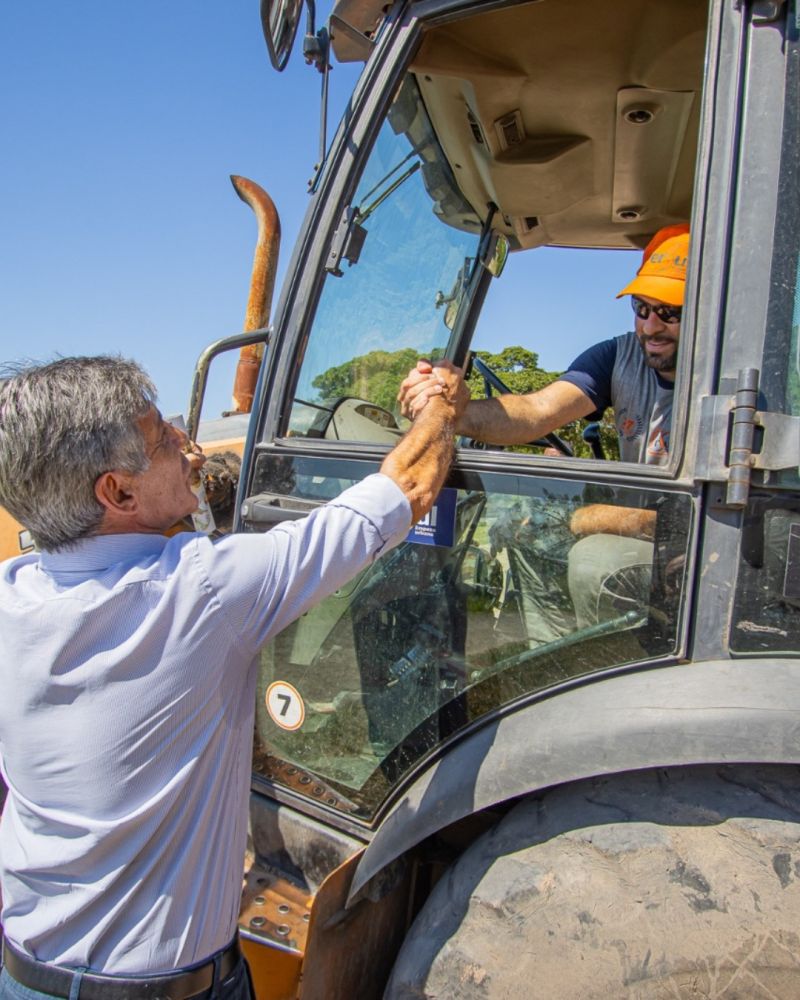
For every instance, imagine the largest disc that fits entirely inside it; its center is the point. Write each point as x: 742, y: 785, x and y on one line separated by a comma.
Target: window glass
x: 790, y: 175
x: 548, y: 306
x: 767, y: 609
x: 493, y: 598
x: 780, y: 371
x: 397, y: 303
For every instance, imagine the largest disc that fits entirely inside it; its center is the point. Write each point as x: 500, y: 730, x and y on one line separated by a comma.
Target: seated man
x: 635, y: 374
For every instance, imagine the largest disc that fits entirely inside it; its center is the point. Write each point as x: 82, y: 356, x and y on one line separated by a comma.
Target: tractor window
x: 767, y: 612
x: 549, y: 305
x: 780, y: 371
x: 492, y: 599
x: 377, y: 316
x: 566, y: 147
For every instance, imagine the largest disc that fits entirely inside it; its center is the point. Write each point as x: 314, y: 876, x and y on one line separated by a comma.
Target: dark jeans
x: 235, y: 987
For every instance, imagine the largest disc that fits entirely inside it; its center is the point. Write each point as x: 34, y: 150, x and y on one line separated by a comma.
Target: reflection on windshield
x: 384, y: 312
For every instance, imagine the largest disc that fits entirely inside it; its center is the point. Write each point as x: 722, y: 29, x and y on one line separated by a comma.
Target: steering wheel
x: 493, y: 381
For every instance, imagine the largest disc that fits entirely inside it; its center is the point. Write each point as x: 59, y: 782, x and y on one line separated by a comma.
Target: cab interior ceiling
x: 577, y: 118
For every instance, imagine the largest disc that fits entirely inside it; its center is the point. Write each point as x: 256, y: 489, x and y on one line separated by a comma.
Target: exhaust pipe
x: 262, y: 285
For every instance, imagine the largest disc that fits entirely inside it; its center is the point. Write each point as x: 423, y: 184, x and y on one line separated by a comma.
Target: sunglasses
x: 667, y: 314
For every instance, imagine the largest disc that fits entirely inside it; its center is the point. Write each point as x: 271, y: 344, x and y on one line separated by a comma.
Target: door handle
x: 269, y: 509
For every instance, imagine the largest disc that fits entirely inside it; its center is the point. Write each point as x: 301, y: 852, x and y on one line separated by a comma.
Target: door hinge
x: 739, y: 438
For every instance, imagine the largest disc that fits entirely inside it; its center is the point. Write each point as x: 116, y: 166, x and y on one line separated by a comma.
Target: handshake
x: 428, y: 381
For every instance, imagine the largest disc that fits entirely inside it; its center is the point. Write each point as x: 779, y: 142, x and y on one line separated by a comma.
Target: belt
x: 57, y: 979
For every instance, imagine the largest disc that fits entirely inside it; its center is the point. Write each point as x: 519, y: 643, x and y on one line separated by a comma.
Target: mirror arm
x: 323, y: 111
x: 316, y: 49
x: 316, y: 44
x: 311, y: 18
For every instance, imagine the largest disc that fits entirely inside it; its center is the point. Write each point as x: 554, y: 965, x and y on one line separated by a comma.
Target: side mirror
x: 279, y: 20
x: 497, y: 255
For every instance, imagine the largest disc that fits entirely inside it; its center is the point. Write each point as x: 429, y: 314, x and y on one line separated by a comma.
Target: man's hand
x: 191, y: 449
x: 195, y: 455
x: 420, y: 461
x: 427, y: 380
x: 502, y: 420
x: 452, y: 387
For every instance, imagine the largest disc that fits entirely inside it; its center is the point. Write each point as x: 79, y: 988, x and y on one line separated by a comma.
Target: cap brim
x: 669, y: 290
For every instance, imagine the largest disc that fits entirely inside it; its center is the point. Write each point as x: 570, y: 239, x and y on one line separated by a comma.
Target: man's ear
x: 114, y: 490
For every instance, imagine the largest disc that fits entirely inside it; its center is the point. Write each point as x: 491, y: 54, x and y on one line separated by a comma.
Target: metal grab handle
x: 264, y: 510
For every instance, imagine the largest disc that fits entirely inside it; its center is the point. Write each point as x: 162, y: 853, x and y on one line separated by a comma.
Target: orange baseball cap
x: 662, y: 275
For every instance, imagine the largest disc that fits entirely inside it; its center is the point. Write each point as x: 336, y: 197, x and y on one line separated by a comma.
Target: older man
x: 127, y: 669
x: 635, y: 374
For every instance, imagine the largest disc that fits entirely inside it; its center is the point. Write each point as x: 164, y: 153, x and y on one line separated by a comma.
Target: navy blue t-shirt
x: 614, y: 373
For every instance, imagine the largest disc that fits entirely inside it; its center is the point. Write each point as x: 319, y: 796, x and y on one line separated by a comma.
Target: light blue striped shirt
x: 127, y: 691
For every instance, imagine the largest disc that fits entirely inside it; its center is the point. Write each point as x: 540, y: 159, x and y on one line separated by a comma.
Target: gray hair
x: 62, y: 425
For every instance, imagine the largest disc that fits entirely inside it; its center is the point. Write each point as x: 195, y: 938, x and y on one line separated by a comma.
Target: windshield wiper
x: 350, y: 233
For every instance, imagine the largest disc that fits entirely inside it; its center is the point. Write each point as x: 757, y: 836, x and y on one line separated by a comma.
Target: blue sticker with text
x: 438, y: 527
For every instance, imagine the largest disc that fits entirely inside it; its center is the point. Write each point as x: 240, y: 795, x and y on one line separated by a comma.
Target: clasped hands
x: 427, y: 381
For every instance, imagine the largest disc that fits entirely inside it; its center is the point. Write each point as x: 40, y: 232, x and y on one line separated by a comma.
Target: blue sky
x: 120, y: 230
x: 121, y: 124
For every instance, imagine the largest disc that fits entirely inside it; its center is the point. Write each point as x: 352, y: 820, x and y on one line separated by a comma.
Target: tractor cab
x: 496, y: 175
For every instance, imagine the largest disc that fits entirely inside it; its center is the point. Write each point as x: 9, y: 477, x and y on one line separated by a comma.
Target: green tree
x: 516, y: 366
x: 375, y: 376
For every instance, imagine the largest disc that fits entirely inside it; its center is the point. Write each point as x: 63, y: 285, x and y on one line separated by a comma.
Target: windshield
x: 377, y: 316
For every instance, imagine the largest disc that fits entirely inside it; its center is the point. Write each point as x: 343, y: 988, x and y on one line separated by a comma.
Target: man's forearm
x: 419, y: 463
x: 502, y: 420
x: 602, y: 518
x: 511, y: 419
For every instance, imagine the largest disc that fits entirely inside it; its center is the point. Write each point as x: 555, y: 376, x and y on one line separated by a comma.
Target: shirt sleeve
x: 265, y: 581
x: 591, y: 372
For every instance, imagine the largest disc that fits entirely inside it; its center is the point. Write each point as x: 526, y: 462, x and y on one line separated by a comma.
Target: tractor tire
x: 671, y: 883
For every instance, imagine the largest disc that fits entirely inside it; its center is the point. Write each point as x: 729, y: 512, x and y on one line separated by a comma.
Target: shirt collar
x: 101, y: 552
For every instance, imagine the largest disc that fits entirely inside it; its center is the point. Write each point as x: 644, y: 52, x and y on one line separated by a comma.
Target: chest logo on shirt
x: 629, y: 426
x: 285, y: 706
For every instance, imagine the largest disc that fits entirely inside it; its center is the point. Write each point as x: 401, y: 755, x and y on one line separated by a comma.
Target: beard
x: 665, y: 362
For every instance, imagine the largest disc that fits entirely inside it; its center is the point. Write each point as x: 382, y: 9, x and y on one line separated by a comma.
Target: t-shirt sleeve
x: 591, y: 373
x: 263, y: 582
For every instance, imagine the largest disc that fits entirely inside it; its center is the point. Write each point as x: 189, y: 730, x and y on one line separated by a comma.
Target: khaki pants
x: 609, y: 575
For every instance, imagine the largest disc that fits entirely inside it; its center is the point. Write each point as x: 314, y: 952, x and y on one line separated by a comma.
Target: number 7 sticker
x: 285, y: 706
